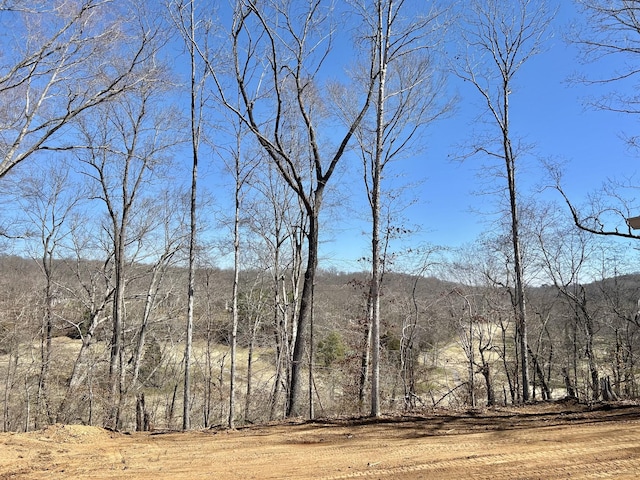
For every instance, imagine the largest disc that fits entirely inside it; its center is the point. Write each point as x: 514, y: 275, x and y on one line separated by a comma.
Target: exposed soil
x: 544, y: 441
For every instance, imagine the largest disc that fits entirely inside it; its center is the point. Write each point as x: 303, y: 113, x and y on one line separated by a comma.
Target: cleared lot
x: 544, y: 441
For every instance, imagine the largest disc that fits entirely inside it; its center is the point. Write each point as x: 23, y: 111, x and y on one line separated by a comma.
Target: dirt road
x: 547, y: 441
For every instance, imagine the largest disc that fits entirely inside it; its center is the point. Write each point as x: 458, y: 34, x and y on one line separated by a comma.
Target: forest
x: 172, y: 171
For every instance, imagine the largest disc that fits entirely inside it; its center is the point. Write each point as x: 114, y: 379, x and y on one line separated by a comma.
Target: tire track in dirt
x: 485, y: 465
x: 590, y: 458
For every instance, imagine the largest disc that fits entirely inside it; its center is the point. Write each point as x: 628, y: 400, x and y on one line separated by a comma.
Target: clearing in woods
x: 542, y: 441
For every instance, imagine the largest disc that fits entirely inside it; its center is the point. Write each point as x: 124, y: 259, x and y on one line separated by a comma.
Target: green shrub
x: 330, y: 349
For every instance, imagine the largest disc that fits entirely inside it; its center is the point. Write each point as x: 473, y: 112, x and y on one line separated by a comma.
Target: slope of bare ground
x: 544, y: 441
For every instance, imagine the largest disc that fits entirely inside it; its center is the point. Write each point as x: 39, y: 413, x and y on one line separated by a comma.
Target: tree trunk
x: 45, y: 345
x: 193, y: 222
x: 382, y: 42
x: 294, y: 408
x: 157, y: 273
x: 234, y: 302
x: 311, y: 356
x: 113, y: 410
x: 77, y: 376
x: 571, y: 391
x: 366, y: 354
x: 505, y: 364
x: 140, y: 413
x: 249, y: 390
x: 593, y: 369
x: 546, y: 391
x: 486, y: 373
x: 521, y: 311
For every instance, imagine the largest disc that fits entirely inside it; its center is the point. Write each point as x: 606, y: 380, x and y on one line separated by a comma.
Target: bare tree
x: 48, y: 199
x: 126, y: 147
x: 15, y: 345
x: 482, y: 270
x: 241, y: 168
x: 500, y: 38
x: 165, y: 238
x: 278, y: 224
x: 65, y: 58
x: 479, y: 308
x: 279, y: 50
x: 185, y: 16
x: 408, y: 96
x: 413, y: 323
x: 566, y: 254
x: 611, y: 29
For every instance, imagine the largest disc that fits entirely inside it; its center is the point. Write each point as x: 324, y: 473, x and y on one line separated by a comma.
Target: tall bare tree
x: 408, y: 95
x: 189, y: 23
x: 280, y: 50
x: 127, y: 146
x: 241, y: 166
x: 499, y: 38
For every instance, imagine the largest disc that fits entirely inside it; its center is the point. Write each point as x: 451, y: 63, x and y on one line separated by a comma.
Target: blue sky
x: 547, y: 111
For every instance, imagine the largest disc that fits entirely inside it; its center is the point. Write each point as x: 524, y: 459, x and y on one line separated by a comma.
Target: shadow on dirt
x: 439, y: 422
x: 448, y: 422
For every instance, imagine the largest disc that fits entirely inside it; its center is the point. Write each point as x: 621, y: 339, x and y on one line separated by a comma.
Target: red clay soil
x: 543, y: 441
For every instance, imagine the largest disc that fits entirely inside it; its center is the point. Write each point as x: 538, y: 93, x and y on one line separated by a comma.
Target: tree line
x: 116, y: 112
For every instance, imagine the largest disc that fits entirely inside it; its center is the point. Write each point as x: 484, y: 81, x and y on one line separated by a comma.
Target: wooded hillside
x: 443, y: 344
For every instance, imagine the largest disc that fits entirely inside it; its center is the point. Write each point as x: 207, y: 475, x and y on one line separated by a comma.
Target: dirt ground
x: 545, y: 441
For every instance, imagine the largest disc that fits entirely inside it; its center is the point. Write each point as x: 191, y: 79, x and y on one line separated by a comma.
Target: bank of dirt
x: 543, y: 441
